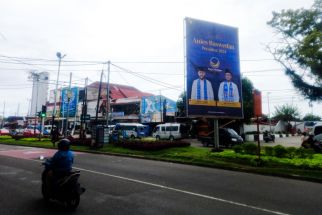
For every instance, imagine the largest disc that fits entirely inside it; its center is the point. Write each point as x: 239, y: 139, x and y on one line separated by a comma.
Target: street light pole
x: 60, y: 57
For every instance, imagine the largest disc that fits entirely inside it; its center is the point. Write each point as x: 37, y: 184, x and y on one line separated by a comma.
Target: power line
x: 146, y: 78
x: 119, y: 62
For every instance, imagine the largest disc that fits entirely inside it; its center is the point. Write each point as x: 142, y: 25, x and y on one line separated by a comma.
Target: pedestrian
x: 54, y: 135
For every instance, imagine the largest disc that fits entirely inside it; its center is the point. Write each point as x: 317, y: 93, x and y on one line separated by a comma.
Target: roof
x: 118, y: 91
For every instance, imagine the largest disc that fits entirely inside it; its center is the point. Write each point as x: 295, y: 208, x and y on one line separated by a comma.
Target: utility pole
x: 82, y: 133
x: 69, y: 95
x: 108, y: 93
x: 108, y: 108
x: 99, y: 97
x: 160, y: 107
x: 60, y: 57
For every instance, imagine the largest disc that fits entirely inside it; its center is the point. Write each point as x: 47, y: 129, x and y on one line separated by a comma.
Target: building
x: 126, y: 104
x: 40, y: 83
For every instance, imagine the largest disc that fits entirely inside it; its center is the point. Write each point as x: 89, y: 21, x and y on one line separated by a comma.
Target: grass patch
x: 309, y: 168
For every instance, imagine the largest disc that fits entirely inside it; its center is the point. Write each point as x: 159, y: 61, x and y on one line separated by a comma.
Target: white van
x: 317, y: 128
x: 130, y: 130
x: 169, y: 131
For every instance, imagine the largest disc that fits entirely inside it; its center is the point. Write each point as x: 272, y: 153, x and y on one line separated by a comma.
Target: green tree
x: 311, y: 117
x: 286, y: 113
x: 248, y: 101
x: 181, y: 105
x: 299, y: 49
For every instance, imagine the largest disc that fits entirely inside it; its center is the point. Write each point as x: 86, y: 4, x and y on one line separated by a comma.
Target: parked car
x: 170, y: 131
x: 313, y: 142
x: 30, y: 132
x: 4, y: 131
x: 227, y: 137
x: 309, y: 126
x: 317, y: 129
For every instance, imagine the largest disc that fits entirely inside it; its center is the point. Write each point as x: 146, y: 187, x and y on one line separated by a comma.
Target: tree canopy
x: 311, y: 117
x: 248, y: 101
x: 286, y: 113
x: 181, y: 105
x: 299, y: 49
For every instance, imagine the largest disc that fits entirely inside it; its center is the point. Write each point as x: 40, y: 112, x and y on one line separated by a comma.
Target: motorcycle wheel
x: 73, y: 202
x: 44, y: 192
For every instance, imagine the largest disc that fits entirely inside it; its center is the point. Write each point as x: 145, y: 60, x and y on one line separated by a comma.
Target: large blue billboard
x: 69, y: 102
x: 213, y: 81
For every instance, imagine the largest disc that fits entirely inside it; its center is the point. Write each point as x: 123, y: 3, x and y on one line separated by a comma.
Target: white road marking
x: 184, y: 191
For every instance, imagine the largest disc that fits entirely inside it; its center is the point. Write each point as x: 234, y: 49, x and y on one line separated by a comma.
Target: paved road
x: 118, y: 185
x: 292, y: 141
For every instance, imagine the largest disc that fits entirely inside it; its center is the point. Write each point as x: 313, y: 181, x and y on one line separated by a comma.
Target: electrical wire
x: 147, y: 78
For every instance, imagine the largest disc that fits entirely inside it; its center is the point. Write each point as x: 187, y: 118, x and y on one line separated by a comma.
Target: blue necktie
x: 204, y: 90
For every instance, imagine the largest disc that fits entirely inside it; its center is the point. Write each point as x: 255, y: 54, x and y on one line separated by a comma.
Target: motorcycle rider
x: 60, y: 164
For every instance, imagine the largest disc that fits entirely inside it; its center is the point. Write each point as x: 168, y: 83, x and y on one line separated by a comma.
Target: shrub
x: 280, y: 151
x: 238, y: 149
x: 291, y: 152
x: 250, y: 148
x: 257, y: 162
x: 304, y: 153
x: 151, y: 145
x: 269, y: 151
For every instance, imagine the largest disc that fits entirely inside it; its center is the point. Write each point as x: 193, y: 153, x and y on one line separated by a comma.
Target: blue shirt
x: 62, y: 161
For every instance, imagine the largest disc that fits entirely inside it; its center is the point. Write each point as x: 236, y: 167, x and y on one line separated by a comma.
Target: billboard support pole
x: 216, y: 137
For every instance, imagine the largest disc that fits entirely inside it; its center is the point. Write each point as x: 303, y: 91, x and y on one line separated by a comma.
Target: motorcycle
x: 65, y: 189
x: 268, y: 137
x: 312, y: 142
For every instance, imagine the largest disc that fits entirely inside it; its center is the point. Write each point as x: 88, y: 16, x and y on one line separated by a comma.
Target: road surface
x: 119, y: 185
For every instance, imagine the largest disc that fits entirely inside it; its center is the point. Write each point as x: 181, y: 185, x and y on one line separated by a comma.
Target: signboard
x: 86, y: 117
x: 92, y: 93
x: 257, y: 103
x: 91, y: 108
x: 52, y: 96
x: 152, y: 108
x: 69, y: 101
x: 212, y: 69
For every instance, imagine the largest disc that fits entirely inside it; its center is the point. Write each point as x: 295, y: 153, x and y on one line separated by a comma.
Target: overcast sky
x: 130, y: 34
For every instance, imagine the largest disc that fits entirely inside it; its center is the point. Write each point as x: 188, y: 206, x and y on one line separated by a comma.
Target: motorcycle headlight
x: 234, y: 139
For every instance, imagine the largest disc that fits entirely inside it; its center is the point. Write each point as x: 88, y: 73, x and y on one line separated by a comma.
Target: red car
x: 4, y: 131
x: 30, y: 132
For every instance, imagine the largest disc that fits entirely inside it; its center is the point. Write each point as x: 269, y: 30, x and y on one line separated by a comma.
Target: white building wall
x: 41, y: 88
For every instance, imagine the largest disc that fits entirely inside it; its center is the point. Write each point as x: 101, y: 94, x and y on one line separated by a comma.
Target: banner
x: 153, y: 107
x: 213, y: 80
x: 69, y: 102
